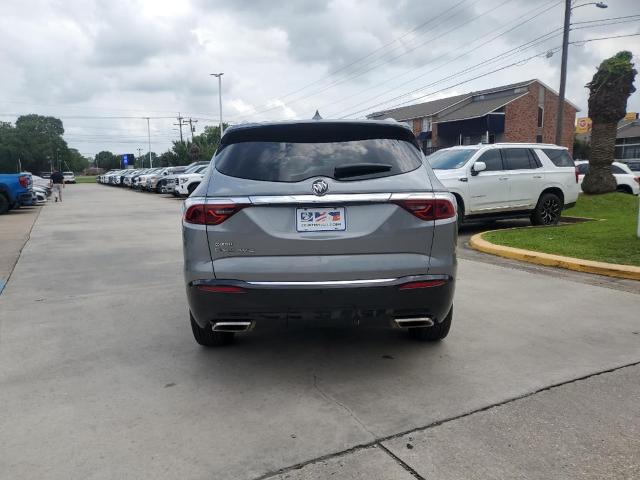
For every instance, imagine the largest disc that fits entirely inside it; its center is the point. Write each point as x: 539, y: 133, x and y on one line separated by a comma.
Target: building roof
x: 629, y: 130
x: 419, y: 110
x: 470, y: 106
x: 477, y: 108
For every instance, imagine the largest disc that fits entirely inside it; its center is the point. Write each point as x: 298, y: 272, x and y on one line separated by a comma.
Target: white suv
x: 626, y: 179
x: 186, y: 183
x: 69, y: 177
x: 508, y: 180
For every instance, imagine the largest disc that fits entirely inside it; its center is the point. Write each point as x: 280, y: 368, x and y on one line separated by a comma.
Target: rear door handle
x: 537, y: 176
x: 503, y: 178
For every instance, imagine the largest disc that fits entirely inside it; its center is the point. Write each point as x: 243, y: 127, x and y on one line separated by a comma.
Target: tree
x: 608, y: 93
x: 74, y: 161
x: 107, y: 160
x: 143, y: 160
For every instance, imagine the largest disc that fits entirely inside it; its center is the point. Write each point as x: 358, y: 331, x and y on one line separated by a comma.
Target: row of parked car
x: 180, y: 181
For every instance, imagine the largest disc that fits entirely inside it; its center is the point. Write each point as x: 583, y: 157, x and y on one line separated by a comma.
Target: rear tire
x: 4, y: 204
x: 460, y: 211
x: 435, y: 333
x: 207, y: 337
x: 548, y: 210
x: 624, y: 189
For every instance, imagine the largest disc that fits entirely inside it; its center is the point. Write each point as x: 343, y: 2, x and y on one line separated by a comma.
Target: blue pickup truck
x: 16, y: 190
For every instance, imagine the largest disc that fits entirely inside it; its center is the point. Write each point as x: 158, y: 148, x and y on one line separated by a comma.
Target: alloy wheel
x: 550, y: 211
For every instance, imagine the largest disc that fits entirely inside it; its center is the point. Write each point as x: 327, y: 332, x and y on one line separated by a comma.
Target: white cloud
x: 281, y: 60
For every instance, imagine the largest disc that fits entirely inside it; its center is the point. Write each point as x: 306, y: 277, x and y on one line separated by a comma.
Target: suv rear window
x: 559, y: 157
x: 293, y: 162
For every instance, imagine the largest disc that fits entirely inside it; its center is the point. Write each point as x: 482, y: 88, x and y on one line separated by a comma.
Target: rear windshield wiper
x: 357, y: 169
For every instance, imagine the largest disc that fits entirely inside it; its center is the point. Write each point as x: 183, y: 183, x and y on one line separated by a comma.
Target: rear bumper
x: 25, y: 199
x: 341, y: 303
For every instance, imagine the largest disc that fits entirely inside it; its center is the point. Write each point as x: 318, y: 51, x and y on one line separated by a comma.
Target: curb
x: 579, y: 265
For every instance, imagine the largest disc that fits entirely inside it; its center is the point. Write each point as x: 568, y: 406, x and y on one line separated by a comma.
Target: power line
x: 412, y: 49
x: 500, y: 56
x: 362, y: 72
x: 605, y: 19
x: 605, y: 24
x: 546, y: 8
x: 345, y: 67
x: 520, y: 62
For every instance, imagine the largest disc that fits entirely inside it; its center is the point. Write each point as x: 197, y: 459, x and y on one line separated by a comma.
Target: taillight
x: 429, y: 209
x: 422, y: 284
x: 24, y: 180
x: 637, y: 179
x: 221, y: 289
x: 211, y: 214
x: 577, y: 175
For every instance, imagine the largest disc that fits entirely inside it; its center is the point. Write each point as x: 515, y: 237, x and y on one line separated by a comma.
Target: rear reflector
x: 221, y: 289
x: 423, y: 284
x: 429, y: 209
x: 211, y: 214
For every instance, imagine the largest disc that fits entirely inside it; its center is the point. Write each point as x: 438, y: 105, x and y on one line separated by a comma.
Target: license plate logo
x: 320, y: 219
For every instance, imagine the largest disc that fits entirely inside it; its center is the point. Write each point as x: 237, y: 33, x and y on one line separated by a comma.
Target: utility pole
x: 149, y: 139
x: 191, y: 127
x: 180, y: 126
x: 219, y: 75
x: 563, y: 65
x: 563, y: 71
x: 140, y: 150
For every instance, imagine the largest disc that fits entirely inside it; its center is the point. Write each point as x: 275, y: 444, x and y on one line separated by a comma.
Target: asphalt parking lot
x: 100, y: 376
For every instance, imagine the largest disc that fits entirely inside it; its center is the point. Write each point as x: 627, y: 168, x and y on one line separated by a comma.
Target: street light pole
x: 219, y: 75
x: 149, y: 140
x: 563, y: 66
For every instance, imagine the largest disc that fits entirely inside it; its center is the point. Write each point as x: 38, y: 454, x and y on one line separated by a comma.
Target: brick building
x: 520, y: 112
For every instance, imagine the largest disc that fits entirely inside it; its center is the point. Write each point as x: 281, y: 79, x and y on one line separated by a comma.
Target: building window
x: 426, y: 124
x: 540, y: 117
x: 538, y: 138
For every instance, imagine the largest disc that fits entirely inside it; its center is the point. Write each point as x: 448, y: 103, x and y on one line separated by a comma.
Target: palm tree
x: 608, y: 93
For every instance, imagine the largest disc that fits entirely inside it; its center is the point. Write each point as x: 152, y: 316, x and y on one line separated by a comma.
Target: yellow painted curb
x: 539, y: 258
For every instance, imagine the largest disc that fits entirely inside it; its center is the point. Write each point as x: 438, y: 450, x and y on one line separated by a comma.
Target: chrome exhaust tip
x: 416, y: 322
x: 232, y: 326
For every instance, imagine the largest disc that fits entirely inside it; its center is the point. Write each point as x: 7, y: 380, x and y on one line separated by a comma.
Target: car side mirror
x: 478, y: 167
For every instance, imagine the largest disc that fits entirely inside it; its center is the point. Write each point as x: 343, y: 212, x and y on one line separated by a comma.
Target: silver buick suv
x: 330, y: 222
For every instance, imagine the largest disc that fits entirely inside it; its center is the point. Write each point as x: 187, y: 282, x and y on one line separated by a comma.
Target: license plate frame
x: 321, y: 219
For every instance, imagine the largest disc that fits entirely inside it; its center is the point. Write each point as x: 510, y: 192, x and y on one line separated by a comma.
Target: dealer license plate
x: 320, y: 219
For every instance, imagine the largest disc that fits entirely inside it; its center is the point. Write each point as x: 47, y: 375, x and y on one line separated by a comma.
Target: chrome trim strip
x: 335, y: 283
x: 325, y: 199
x: 374, y: 282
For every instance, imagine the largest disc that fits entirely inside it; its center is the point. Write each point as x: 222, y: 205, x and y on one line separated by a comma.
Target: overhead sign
x: 583, y: 125
x: 127, y: 159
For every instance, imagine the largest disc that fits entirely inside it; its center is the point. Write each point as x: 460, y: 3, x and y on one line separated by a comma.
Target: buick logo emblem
x: 319, y: 187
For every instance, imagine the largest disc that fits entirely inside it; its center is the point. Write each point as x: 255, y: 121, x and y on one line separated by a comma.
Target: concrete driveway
x: 100, y: 376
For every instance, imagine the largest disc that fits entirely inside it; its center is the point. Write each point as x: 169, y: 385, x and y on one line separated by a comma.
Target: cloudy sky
x: 103, y: 65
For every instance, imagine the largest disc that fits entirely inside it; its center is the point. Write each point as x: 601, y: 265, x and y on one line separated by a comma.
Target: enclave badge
x: 319, y: 187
